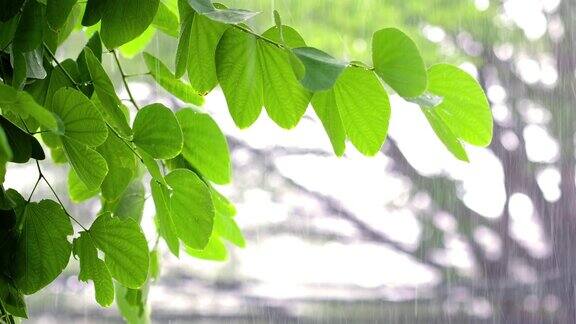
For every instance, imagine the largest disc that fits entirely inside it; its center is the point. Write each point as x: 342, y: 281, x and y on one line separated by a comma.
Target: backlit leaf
x: 285, y: 99
x: 445, y: 134
x: 88, y: 164
x: 122, y: 21
x: 215, y: 250
x: 398, y: 62
x: 163, y: 219
x: 111, y: 105
x: 322, y: 70
x: 41, y: 260
x: 240, y: 76
x: 77, y: 189
x: 166, y: 21
x: 170, y: 83
x: 204, y: 37
x: 205, y: 146
x: 80, y: 118
x: 93, y: 268
x: 324, y: 104
x: 186, y: 20
x: 125, y: 248
x: 192, y: 210
x: 121, y: 166
x: 464, y: 107
x: 156, y: 131
x: 364, y: 108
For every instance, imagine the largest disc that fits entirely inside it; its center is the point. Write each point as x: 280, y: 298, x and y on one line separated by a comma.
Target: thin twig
x: 53, y: 57
x: 124, y: 76
x: 285, y: 47
x: 42, y: 176
x: 126, y: 142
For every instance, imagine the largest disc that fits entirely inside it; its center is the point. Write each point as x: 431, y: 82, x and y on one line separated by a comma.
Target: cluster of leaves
x: 72, y: 107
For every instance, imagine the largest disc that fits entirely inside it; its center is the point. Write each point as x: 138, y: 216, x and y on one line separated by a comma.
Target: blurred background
x: 411, y: 235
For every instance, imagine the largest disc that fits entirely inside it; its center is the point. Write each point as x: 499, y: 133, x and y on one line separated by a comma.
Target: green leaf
x: 132, y: 304
x: 152, y: 166
x: 186, y: 20
x: 95, y: 45
x: 122, y: 21
x: 88, y: 164
x: 156, y: 131
x: 230, y: 16
x: 291, y: 37
x: 111, y: 105
x: 11, y: 298
x: 464, y: 107
x: 80, y: 118
x: 205, y: 146
x: 278, y: 24
x: 57, y: 12
x: 59, y: 79
x: 19, y: 69
x: 93, y: 268
x: 170, y: 83
x: 125, y: 248
x: 192, y: 210
x: 154, y: 265
x: 138, y: 44
x: 227, y: 228
x: 398, y: 62
x: 215, y: 250
x: 131, y: 203
x: 426, y: 100
x: 204, y: 37
x: 240, y: 76
x: 322, y: 70
x: 9, y: 8
x: 121, y: 167
x: 30, y: 28
x: 54, y: 38
x: 21, y: 103
x: 77, y: 189
x: 221, y: 204
x: 324, y: 104
x: 202, y: 6
x: 364, y: 108
x: 23, y: 145
x: 6, y: 153
x: 34, y: 67
x: 37, y: 90
x: 285, y: 99
x: 166, y: 21
x: 163, y: 219
x: 223, y: 15
x: 445, y: 134
x: 8, y: 28
x: 40, y: 260
x: 94, y: 11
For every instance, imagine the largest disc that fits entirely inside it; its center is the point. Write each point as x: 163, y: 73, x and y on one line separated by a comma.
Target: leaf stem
x: 42, y: 176
x: 266, y: 39
x: 286, y: 47
x: 53, y: 57
x: 127, y: 143
x: 124, y: 76
x: 136, y: 75
x: 34, y: 189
